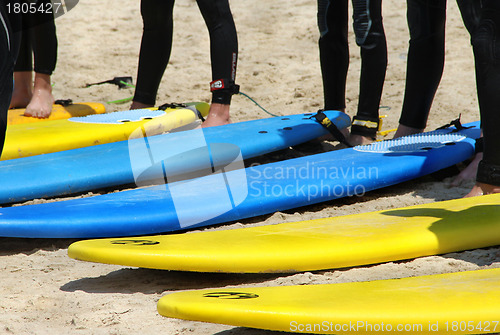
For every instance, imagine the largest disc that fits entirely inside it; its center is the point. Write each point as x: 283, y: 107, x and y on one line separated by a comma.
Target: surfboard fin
x: 121, y: 82
x: 63, y: 102
x: 455, y: 123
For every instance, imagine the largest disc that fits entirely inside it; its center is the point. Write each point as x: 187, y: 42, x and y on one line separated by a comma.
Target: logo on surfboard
x: 230, y: 295
x: 135, y: 242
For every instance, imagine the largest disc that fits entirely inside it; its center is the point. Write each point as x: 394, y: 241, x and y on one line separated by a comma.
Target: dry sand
x: 44, y: 292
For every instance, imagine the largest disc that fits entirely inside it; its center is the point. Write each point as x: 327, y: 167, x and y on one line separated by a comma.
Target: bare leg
x: 217, y: 116
x: 470, y: 172
x: 41, y: 103
x: 405, y: 131
x: 359, y: 140
x: 23, y: 86
x: 482, y: 189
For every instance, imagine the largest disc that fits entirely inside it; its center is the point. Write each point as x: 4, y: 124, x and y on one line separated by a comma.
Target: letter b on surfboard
x: 191, y: 170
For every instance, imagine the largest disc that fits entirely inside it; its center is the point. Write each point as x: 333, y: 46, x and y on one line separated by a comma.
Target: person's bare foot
x: 23, y: 87
x: 470, y: 172
x: 482, y: 189
x: 217, y: 116
x: 355, y: 140
x: 42, y: 100
x: 139, y: 105
x: 405, y: 131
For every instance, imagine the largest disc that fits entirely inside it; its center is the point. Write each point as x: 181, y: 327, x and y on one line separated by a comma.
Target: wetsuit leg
x: 471, y: 11
x: 9, y: 44
x: 486, y: 46
x: 370, y: 37
x: 426, y: 22
x: 223, y: 46
x: 156, y: 46
x: 333, y: 51
x: 44, y: 41
x: 38, y: 38
x: 24, y: 60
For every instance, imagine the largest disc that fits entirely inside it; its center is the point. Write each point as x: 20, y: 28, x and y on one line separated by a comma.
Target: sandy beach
x: 43, y: 291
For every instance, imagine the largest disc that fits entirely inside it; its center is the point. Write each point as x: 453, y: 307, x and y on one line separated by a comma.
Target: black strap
x: 181, y: 105
x: 226, y: 85
x: 455, y: 123
x: 63, y: 102
x: 331, y: 127
x: 365, y: 126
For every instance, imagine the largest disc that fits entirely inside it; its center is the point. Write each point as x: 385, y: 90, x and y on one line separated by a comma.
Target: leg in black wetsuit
x: 370, y: 36
x: 9, y: 45
x: 334, y: 58
x: 39, y: 42
x: 426, y: 22
x: 485, y: 39
x: 38, y: 38
x: 333, y: 51
x: 157, y: 43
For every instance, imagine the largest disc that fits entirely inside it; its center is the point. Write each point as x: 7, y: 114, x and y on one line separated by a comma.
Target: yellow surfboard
x: 457, y: 303
x: 337, y: 242
x: 23, y: 140
x: 16, y: 115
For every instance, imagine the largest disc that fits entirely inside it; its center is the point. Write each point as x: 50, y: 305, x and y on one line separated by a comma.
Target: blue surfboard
x: 242, y: 193
x: 156, y: 159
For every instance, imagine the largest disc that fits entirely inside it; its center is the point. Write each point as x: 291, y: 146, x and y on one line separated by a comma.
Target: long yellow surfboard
x: 457, y: 303
x: 16, y: 115
x: 23, y: 140
x: 337, y: 242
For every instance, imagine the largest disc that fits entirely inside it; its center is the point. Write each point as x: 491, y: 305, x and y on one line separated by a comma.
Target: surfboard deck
x: 138, y: 160
x: 312, y: 245
x: 16, y: 115
x: 456, y: 303
x: 243, y: 193
x: 29, y: 139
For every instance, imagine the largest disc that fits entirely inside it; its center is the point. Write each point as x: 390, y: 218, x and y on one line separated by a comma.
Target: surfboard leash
x: 257, y: 104
x: 331, y: 127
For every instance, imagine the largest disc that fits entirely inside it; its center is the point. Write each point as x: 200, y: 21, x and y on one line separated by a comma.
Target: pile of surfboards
x: 188, y: 167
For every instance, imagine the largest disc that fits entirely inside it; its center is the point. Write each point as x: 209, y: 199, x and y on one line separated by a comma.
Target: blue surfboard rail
x: 243, y: 193
x: 145, y: 160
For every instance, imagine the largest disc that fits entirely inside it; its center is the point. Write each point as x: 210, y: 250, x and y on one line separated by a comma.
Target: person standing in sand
x: 38, y: 41
x: 482, y: 19
x: 156, y: 47
x: 426, y: 20
x: 334, y: 59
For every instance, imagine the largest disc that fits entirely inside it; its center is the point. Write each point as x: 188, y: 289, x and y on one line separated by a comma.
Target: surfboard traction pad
x: 412, y: 143
x: 119, y: 117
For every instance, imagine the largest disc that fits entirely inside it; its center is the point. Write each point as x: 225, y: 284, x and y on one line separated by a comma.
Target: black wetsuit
x: 157, y: 43
x: 482, y: 19
x: 334, y: 57
x: 426, y: 20
x: 38, y: 39
x: 9, y: 45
